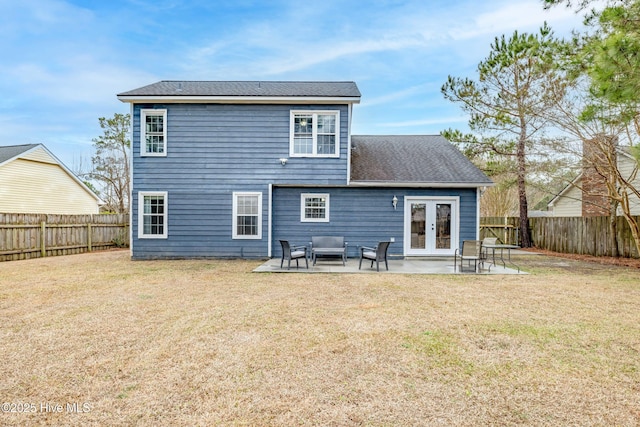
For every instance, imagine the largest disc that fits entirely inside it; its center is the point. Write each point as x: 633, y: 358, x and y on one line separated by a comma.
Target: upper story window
x: 315, y: 134
x: 153, y: 132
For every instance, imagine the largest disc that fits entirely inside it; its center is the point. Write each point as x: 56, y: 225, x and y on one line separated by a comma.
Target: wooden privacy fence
x: 506, y: 229
x: 24, y: 236
x: 576, y: 235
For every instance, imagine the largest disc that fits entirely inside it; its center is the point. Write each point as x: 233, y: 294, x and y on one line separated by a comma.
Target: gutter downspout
x: 131, y: 204
x: 269, y: 217
x: 350, y: 108
x: 479, y: 192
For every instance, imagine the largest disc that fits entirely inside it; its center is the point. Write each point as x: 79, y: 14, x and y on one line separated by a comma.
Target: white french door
x: 430, y: 225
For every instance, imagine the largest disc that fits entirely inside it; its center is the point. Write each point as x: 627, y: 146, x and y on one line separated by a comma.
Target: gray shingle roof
x: 10, y: 151
x: 427, y: 159
x: 247, y: 88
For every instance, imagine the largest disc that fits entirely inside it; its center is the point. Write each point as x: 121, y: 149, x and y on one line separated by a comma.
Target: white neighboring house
x: 32, y: 180
x: 570, y: 201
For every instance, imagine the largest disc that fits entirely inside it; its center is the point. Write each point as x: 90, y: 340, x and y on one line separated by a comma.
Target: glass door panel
x: 418, y: 225
x: 443, y: 226
x: 430, y: 226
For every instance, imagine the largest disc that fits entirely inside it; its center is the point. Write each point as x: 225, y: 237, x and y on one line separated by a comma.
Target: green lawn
x: 159, y: 343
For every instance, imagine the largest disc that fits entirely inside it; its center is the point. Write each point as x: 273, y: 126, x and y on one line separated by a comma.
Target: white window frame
x: 314, y: 114
x: 303, y: 205
x: 144, y: 113
x: 235, y: 234
x: 165, y: 215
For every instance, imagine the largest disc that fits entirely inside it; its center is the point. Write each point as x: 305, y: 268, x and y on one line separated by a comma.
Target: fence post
x: 89, y: 237
x: 43, y: 237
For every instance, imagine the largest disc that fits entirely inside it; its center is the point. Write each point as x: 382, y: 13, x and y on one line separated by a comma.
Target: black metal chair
x: 377, y: 254
x: 471, y: 251
x: 290, y: 252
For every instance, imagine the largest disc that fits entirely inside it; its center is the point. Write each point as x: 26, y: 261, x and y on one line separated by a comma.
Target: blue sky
x: 63, y: 62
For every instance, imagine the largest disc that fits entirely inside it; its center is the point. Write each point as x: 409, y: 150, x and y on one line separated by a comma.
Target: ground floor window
x: 247, y: 218
x: 314, y: 207
x: 152, y: 215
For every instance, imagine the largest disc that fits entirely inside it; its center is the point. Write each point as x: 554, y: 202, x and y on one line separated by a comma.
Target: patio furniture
x: 290, y: 252
x: 377, y: 254
x: 328, y: 246
x: 502, y: 248
x: 471, y: 251
x: 485, y: 251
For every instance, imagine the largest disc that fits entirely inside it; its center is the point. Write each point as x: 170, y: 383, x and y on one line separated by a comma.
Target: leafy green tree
x: 608, y: 112
x: 110, y: 163
x: 609, y: 55
x: 506, y: 101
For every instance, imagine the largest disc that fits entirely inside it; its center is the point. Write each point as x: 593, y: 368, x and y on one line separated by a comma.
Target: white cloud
x: 275, y: 53
x: 84, y: 80
x: 524, y: 16
x: 426, y: 122
x: 397, y: 95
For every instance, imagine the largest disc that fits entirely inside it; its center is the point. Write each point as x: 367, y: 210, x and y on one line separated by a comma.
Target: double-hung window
x: 314, y: 207
x: 152, y: 215
x: 247, y: 215
x: 153, y: 132
x: 315, y: 134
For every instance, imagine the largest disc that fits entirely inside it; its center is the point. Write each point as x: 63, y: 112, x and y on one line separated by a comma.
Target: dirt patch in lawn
x: 605, y: 260
x: 97, y: 339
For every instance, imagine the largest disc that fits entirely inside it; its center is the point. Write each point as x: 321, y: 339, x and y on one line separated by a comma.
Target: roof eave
x: 199, y: 99
x: 421, y: 184
x: 22, y: 153
x: 566, y: 189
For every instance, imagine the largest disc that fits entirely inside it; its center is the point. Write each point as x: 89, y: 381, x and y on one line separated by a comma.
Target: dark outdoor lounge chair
x: 377, y: 254
x: 293, y: 252
x: 471, y: 251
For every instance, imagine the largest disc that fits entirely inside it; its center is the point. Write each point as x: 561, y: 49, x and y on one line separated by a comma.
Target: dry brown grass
x: 210, y: 343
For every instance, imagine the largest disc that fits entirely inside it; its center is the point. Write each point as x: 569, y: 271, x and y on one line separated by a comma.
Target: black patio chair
x: 377, y: 254
x: 290, y: 252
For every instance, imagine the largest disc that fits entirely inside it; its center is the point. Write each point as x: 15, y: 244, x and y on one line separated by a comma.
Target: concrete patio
x: 422, y: 265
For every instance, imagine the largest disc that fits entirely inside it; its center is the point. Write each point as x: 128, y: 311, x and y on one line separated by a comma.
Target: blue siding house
x: 226, y: 169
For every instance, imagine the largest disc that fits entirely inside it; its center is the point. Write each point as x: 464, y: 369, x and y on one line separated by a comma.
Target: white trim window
x: 314, y: 207
x: 152, y: 215
x: 153, y: 132
x: 247, y: 215
x: 315, y: 134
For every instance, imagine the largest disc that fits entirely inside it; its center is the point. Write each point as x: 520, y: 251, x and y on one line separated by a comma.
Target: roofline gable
x: 578, y: 178
x: 28, y: 150
x: 57, y: 162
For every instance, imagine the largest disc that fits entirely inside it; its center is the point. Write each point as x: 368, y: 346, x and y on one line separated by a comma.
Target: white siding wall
x: 38, y: 155
x: 626, y: 168
x: 570, y: 204
x: 35, y: 187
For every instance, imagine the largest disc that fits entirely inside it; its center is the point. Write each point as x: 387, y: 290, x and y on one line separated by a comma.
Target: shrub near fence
x: 575, y: 235
x: 24, y: 236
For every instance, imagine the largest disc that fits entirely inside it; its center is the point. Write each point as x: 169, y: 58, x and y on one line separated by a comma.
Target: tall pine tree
x: 505, y: 101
